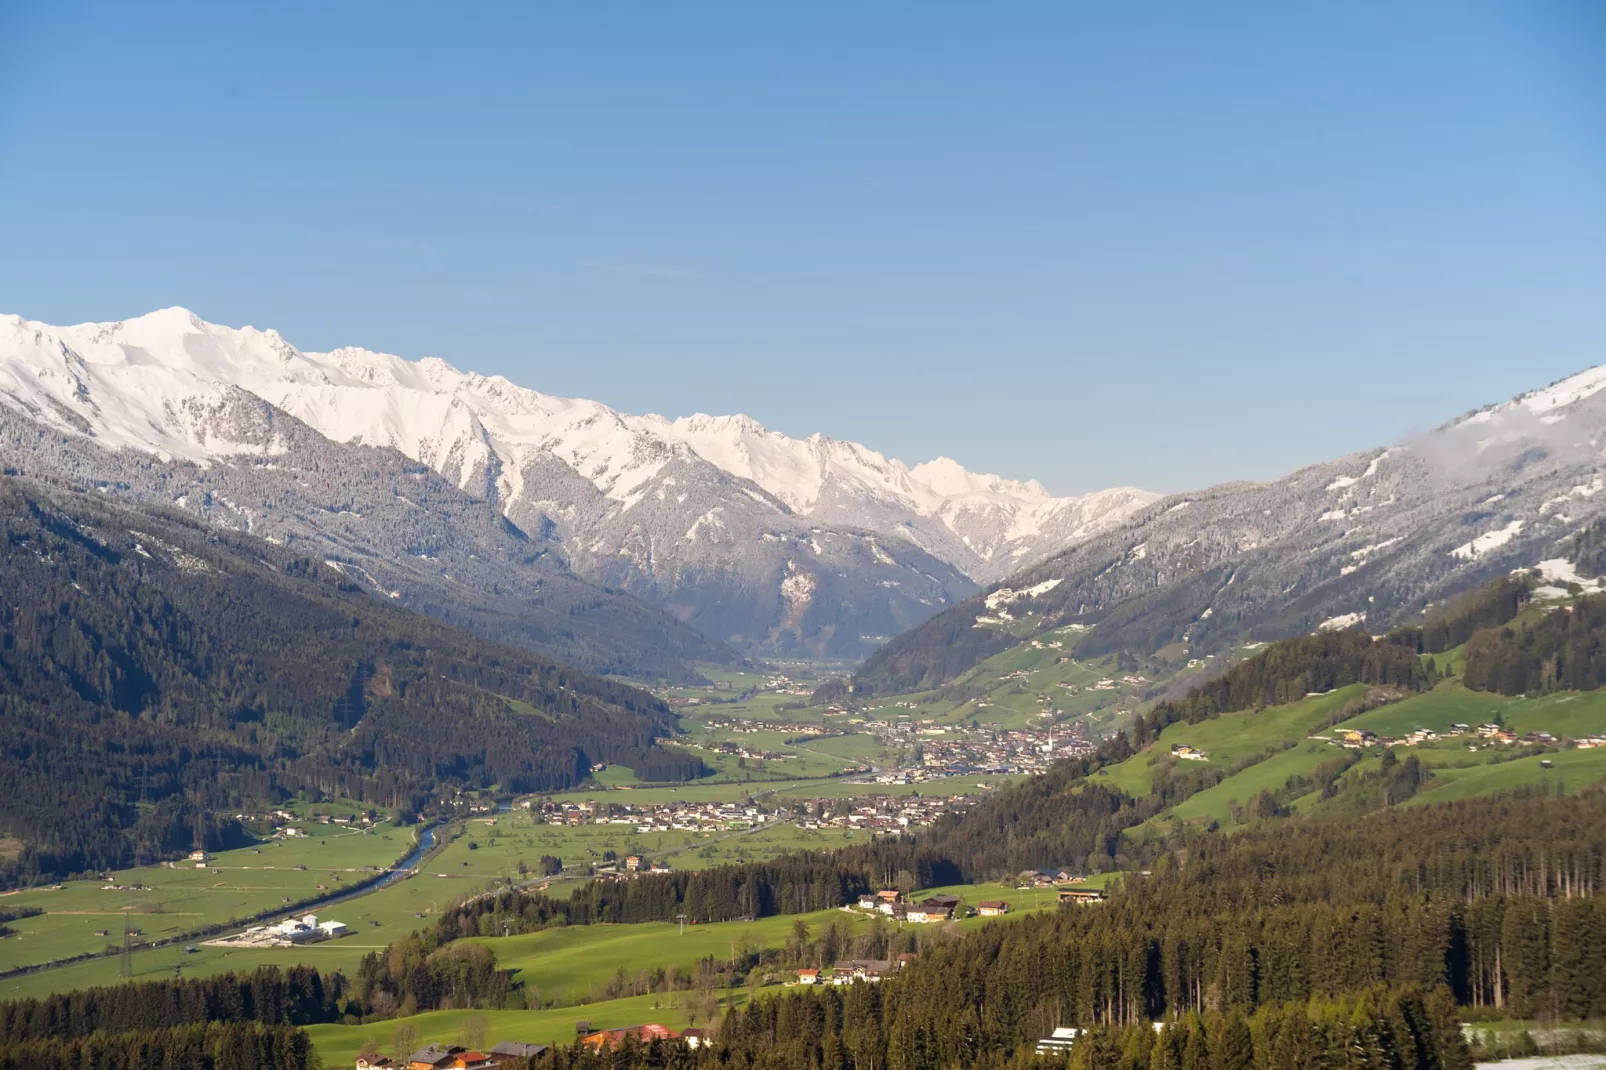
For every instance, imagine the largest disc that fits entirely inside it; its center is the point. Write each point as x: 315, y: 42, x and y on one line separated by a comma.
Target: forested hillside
x: 401, y: 531
x: 1283, y: 947
x: 154, y: 672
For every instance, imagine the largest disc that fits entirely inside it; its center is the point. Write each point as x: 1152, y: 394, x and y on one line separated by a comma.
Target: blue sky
x: 1158, y: 244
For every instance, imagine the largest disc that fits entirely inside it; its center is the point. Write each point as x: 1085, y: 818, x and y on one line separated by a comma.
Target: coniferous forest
x: 1285, y: 945
x: 155, y: 673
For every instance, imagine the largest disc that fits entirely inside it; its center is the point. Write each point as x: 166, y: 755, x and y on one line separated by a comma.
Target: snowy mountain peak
x: 951, y: 479
x: 141, y: 383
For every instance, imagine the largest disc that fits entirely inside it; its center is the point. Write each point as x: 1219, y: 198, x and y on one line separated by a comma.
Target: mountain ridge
x: 1375, y: 537
x: 782, y: 545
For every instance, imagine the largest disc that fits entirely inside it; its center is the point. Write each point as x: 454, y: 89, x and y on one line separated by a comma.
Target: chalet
x: 992, y: 908
x: 868, y: 902
x: 200, y: 856
x: 433, y: 1057
x: 808, y: 977
x: 1081, y: 895
x: 470, y: 1060
x: 512, y: 1051
x: 369, y: 1060
x: 849, y: 971
x: 1184, y: 751
x: 694, y: 1038
x: 633, y: 863
x: 609, y: 1039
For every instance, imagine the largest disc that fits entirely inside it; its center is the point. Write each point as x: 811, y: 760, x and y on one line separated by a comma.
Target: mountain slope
x: 746, y: 533
x: 153, y: 670
x: 396, y: 527
x: 1374, y: 537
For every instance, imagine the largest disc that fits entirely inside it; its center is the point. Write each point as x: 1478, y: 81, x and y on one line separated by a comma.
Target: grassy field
x: 479, y: 855
x: 573, y: 963
x: 1572, y: 770
x: 1231, y: 737
x: 1564, y: 714
x: 1216, y: 803
x: 338, y: 1045
x: 179, y: 899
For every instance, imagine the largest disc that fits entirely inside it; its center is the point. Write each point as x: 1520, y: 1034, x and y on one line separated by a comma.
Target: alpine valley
x: 517, y: 514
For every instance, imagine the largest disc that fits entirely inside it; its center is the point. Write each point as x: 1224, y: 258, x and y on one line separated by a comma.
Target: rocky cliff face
x: 778, y: 545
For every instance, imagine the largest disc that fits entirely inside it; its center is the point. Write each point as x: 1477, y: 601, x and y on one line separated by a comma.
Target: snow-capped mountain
x: 1367, y: 540
x: 771, y: 542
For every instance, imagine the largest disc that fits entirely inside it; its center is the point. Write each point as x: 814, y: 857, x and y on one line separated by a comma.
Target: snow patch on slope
x: 1491, y: 540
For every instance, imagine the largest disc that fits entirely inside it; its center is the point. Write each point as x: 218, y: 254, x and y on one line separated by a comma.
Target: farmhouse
x: 608, y: 1039
x: 849, y: 971
x: 436, y: 1057
x: 511, y: 1051
x: 808, y: 977
x: 992, y: 908
x: 1080, y: 895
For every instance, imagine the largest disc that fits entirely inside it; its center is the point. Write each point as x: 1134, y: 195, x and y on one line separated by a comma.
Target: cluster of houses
x: 611, y: 1039
x: 278, y: 818
x: 1047, y: 878
x: 962, y: 751
x: 1063, y: 880
x: 881, y: 813
x: 893, y: 904
x: 741, y: 750
x: 292, y: 932
x: 660, y: 817
x: 440, y: 1057
x: 1485, y: 735
x: 933, y: 908
x: 510, y: 1052
x: 853, y: 971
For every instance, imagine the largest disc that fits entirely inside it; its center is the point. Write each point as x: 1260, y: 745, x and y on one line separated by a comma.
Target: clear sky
x: 1157, y: 244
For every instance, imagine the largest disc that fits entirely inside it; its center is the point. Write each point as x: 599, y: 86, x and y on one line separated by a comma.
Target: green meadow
x: 1231, y: 737
x: 1571, y: 770
x: 476, y: 855
x: 1568, y: 713
x: 171, y: 901
x: 339, y: 1045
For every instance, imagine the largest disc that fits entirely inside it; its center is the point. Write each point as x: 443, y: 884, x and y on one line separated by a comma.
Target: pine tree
x: 1231, y: 1047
